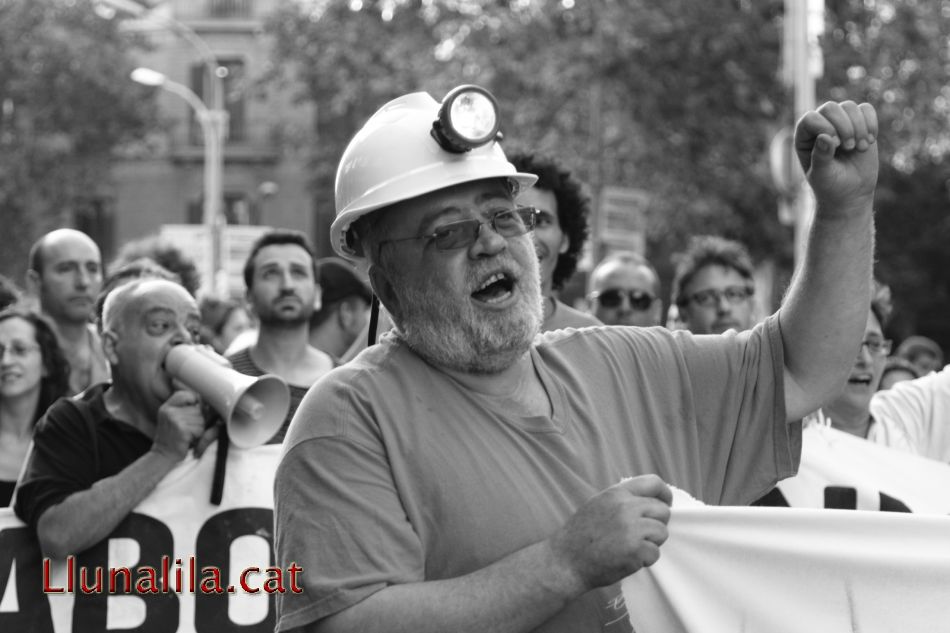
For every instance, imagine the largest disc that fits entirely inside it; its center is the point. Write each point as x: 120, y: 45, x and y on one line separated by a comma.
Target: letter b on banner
x: 161, y: 609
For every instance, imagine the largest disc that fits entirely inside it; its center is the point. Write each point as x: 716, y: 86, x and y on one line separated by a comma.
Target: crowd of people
x: 500, y: 459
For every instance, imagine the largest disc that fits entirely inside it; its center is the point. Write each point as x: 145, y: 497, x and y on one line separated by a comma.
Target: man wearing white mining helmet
x: 467, y: 473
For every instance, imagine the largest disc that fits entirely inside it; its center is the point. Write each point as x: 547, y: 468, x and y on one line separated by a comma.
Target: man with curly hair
x: 559, y: 234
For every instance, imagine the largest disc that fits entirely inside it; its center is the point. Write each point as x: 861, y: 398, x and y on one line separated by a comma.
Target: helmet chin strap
x: 373, y: 321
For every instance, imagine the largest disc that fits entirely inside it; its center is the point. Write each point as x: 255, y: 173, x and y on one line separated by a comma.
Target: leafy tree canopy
x: 65, y: 102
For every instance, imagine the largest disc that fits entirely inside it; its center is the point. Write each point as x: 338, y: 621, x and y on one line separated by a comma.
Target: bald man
x: 95, y: 457
x: 65, y: 275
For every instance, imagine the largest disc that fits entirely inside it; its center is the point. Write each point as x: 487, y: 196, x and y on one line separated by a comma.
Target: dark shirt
x: 75, y: 444
x: 242, y: 362
x: 6, y: 492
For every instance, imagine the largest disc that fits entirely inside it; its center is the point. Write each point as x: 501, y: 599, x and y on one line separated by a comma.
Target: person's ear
x: 565, y: 244
x: 34, y: 282
x: 109, y: 341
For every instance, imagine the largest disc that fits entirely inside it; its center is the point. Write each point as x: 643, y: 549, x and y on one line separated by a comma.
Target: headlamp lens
x: 468, y: 119
x: 472, y: 115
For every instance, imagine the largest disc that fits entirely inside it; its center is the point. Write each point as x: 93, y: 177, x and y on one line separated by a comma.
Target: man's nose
x: 723, y: 305
x: 83, y: 278
x: 488, y: 242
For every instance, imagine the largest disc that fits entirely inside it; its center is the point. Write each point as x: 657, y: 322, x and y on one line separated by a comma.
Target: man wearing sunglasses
x: 625, y: 290
x: 713, y: 286
x: 467, y: 473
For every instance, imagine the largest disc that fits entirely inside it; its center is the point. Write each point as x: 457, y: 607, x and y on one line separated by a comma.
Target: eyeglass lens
x: 17, y: 348
x: 464, y: 233
x: 877, y: 346
x: 712, y: 296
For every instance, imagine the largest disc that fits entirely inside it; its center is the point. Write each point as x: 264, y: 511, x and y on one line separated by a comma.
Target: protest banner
x: 176, y: 564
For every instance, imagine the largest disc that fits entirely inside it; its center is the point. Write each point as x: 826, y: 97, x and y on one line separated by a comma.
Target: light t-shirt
x: 914, y: 416
x: 393, y: 472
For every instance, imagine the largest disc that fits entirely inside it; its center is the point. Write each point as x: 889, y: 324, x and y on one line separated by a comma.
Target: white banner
x: 176, y: 564
x: 792, y: 570
x: 844, y: 472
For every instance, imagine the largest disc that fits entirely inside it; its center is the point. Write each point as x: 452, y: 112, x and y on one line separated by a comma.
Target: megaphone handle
x: 220, y: 465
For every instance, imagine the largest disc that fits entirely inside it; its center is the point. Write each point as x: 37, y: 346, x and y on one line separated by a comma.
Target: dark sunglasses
x: 613, y: 297
x: 464, y: 233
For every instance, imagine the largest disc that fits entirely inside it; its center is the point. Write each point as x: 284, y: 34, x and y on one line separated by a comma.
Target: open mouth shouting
x: 495, y: 289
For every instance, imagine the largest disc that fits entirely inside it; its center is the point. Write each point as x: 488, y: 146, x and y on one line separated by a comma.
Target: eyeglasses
x: 464, y: 233
x: 877, y: 346
x: 18, y: 349
x: 613, y: 297
x: 711, y: 297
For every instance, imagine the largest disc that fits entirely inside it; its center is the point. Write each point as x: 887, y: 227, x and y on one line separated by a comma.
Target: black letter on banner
x: 161, y: 609
x: 213, y: 549
x: 890, y: 504
x: 841, y: 498
x: 773, y: 499
x: 19, y: 544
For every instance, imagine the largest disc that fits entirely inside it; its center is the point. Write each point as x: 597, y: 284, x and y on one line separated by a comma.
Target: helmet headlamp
x: 467, y: 119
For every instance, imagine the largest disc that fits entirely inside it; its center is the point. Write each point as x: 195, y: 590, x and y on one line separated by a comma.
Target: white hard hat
x: 395, y: 157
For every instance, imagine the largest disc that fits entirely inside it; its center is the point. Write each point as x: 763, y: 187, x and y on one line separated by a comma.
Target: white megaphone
x: 253, y: 407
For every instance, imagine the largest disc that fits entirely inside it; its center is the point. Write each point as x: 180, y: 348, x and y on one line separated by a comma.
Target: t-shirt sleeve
x: 61, y: 462
x: 912, y: 416
x: 337, y: 510
x: 737, y: 385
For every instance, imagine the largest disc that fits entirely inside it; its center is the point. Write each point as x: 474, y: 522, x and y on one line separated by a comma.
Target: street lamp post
x: 213, y: 121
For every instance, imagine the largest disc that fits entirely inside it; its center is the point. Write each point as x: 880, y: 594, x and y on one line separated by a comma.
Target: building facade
x: 160, y: 181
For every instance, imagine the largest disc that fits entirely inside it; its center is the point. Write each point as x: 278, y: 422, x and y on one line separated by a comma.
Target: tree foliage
x: 896, y: 55
x: 65, y: 102
x: 678, y: 98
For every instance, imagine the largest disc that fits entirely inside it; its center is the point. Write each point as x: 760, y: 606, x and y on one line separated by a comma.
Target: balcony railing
x: 230, y: 8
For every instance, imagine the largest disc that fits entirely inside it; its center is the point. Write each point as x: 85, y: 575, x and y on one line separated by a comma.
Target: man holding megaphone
x: 96, y: 456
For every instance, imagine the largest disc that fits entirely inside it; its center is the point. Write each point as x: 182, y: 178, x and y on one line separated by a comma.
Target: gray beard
x: 453, y: 335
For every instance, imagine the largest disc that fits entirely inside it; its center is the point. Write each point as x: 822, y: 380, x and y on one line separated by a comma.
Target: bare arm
x: 613, y: 535
x: 824, y: 313
x: 84, y: 518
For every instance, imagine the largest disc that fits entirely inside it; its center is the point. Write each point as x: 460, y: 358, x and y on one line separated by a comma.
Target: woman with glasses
x: 850, y: 410
x: 33, y: 374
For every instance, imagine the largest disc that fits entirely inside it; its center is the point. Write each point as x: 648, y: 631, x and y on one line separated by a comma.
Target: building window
x: 229, y: 8
x: 237, y: 209
x: 234, y: 97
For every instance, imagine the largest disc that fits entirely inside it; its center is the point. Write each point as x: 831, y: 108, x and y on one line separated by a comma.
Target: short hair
x: 628, y: 258
x: 55, y: 384
x: 10, y: 293
x: 117, y: 300
x: 215, y: 312
x: 164, y: 253
x: 914, y: 346
x: 37, y: 250
x: 280, y: 236
x: 141, y: 268
x: 573, y: 207
x: 709, y: 250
